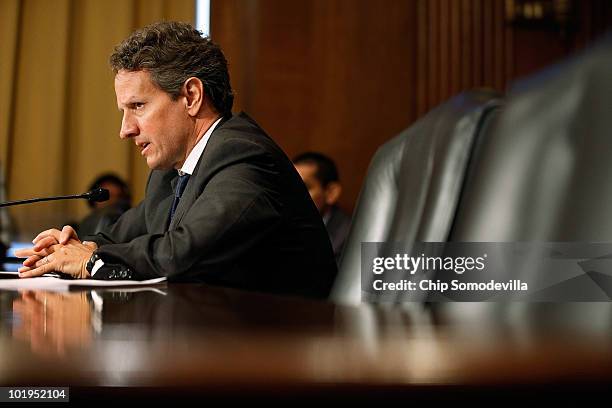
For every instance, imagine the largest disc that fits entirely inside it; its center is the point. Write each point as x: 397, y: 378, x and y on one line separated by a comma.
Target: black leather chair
x: 543, y: 173
x: 537, y: 170
x: 413, y: 183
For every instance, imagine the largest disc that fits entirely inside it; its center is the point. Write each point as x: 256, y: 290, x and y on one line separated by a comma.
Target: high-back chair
x: 413, y: 183
x: 537, y: 170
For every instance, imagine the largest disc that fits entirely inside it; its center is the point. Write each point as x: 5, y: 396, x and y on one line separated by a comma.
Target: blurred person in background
x: 320, y: 175
x: 105, y: 213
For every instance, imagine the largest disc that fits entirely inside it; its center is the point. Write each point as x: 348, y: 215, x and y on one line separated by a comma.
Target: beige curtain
x: 59, y: 122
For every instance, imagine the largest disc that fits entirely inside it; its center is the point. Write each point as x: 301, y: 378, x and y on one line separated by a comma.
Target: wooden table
x: 197, y: 340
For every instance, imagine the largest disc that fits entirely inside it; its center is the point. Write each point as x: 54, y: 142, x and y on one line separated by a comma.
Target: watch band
x: 108, y: 271
x: 92, y: 261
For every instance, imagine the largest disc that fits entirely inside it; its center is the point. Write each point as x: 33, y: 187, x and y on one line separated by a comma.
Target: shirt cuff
x: 99, y: 263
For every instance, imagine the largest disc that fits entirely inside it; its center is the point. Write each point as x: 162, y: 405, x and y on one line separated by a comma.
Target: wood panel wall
x: 344, y: 76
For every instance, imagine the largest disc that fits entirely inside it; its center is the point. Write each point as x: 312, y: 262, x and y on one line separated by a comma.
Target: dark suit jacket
x: 245, y: 220
x: 338, y: 225
x: 99, y: 220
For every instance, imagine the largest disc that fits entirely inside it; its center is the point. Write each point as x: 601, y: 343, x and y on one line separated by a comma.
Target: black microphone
x: 95, y: 195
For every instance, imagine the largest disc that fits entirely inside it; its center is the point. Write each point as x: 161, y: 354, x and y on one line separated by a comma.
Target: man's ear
x: 194, y: 95
x: 332, y: 193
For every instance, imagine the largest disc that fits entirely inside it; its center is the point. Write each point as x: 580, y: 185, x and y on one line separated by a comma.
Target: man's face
x: 315, y: 188
x: 160, y: 127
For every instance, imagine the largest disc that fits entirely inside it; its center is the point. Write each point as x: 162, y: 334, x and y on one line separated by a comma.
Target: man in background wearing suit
x: 321, y: 178
x: 223, y: 203
x: 104, y: 214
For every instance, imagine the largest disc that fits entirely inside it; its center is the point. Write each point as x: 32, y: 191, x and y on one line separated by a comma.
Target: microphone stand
x: 95, y: 195
x: 99, y: 194
x: 36, y: 200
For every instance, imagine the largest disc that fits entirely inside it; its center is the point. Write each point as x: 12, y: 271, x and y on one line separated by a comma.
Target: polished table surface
x: 213, y: 339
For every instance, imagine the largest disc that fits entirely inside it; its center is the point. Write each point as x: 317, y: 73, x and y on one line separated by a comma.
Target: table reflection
x: 52, y: 323
x: 209, y: 336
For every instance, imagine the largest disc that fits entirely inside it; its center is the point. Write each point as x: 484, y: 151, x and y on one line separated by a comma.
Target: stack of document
x: 11, y: 281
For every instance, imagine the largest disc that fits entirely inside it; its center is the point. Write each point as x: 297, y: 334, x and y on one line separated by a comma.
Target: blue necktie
x: 178, y: 192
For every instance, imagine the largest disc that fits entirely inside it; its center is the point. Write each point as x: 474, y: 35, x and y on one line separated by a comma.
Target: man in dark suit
x: 223, y: 203
x: 320, y: 175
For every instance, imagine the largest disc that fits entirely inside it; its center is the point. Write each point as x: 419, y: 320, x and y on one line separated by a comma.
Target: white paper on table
x: 57, y: 284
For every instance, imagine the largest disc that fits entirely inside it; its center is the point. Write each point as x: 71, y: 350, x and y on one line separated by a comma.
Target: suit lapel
x: 185, y: 202
x: 159, y: 199
x: 196, y: 181
x: 191, y: 191
x: 164, y: 215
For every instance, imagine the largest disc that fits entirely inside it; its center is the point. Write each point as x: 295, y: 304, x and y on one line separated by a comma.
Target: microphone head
x: 97, y: 195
